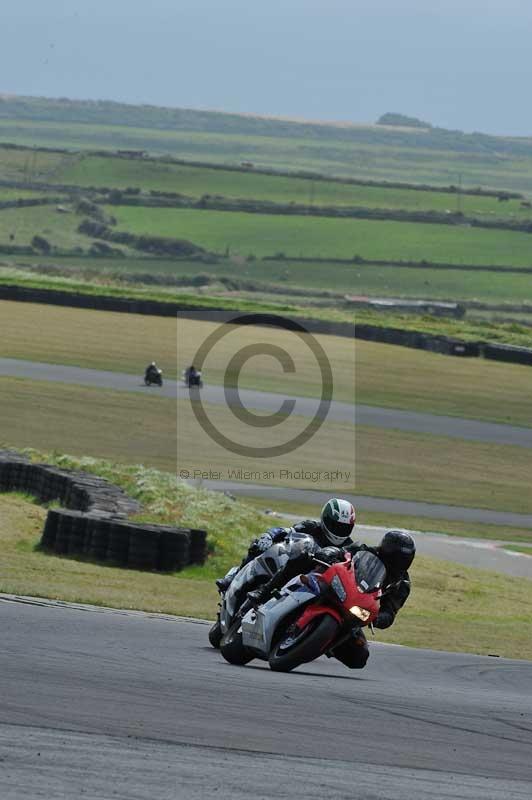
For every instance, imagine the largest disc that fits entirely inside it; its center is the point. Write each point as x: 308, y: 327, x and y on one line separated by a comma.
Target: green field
x: 263, y: 235
x: 18, y: 194
x: 195, y: 182
x: 22, y: 224
x: 358, y: 151
x: 30, y: 165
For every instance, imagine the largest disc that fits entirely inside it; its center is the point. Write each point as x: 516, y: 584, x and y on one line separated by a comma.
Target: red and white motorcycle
x: 310, y: 616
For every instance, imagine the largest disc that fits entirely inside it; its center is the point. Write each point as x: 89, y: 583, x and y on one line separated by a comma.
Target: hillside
x: 432, y: 155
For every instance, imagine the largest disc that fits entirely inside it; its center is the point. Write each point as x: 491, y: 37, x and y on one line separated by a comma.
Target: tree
x: 41, y: 244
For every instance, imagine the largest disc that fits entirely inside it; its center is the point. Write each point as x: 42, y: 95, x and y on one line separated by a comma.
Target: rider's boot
x: 267, y: 590
x: 224, y: 583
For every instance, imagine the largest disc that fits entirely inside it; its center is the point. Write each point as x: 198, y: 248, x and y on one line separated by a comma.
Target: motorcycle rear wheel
x: 232, y: 648
x: 308, y: 645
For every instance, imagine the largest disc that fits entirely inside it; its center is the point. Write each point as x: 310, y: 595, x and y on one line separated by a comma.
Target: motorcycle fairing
x: 259, y: 625
x: 263, y: 567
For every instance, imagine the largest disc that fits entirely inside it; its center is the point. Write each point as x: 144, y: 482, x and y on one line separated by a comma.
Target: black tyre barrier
x: 508, y: 352
x: 118, y: 543
x: 64, y: 529
x: 50, y: 529
x: 144, y: 544
x: 94, y: 523
x: 175, y: 549
x: 198, y: 546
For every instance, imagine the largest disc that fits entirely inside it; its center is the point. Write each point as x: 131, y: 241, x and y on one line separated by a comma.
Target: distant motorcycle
x: 310, y: 616
x: 192, y: 380
x: 154, y: 376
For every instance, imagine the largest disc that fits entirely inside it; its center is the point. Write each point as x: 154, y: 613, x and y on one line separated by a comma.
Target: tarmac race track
x: 100, y: 704
x: 391, y: 418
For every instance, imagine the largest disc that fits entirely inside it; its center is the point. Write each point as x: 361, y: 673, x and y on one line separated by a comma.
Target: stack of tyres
x: 50, y: 486
x: 144, y: 547
x: 198, y: 546
x: 34, y: 480
x: 76, y: 539
x: 14, y: 477
x: 96, y: 544
x: 61, y: 484
x: 174, y: 549
x: 50, y: 529
x: 22, y: 476
x: 64, y: 529
x: 5, y: 469
x: 118, y: 547
x: 75, y: 497
x: 46, y: 486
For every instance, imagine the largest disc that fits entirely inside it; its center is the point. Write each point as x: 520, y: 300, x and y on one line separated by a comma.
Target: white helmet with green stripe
x: 337, y: 520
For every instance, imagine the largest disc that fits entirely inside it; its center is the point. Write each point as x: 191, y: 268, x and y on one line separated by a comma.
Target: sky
x: 461, y: 64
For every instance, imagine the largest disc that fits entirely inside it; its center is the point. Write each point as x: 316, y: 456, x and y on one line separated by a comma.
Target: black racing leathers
x: 311, y: 527
x: 397, y: 597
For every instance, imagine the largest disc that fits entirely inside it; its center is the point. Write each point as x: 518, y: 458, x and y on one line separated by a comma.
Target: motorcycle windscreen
x: 370, y: 572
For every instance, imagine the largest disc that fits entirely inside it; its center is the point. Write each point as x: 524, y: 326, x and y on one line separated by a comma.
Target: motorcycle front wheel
x: 215, y: 634
x: 299, y: 647
x: 232, y: 648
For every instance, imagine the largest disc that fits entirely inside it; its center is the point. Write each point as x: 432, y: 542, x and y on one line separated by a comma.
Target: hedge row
x: 94, y: 522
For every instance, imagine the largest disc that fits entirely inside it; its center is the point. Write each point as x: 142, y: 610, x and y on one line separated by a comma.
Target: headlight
x: 362, y: 613
x: 338, y: 587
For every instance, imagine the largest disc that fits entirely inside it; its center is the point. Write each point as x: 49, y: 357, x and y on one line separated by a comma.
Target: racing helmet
x: 397, y: 550
x: 337, y: 521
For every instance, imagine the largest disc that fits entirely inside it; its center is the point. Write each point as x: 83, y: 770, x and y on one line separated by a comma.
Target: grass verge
x: 515, y: 548
x: 130, y: 427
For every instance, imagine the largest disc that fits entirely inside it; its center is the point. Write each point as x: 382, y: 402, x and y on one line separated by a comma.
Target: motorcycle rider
x: 151, y: 369
x: 331, y: 531
x: 192, y: 376
x: 397, y: 551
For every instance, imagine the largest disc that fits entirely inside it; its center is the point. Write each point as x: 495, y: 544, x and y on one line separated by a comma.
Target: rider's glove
x: 260, y: 545
x: 384, y: 620
x: 278, y: 534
